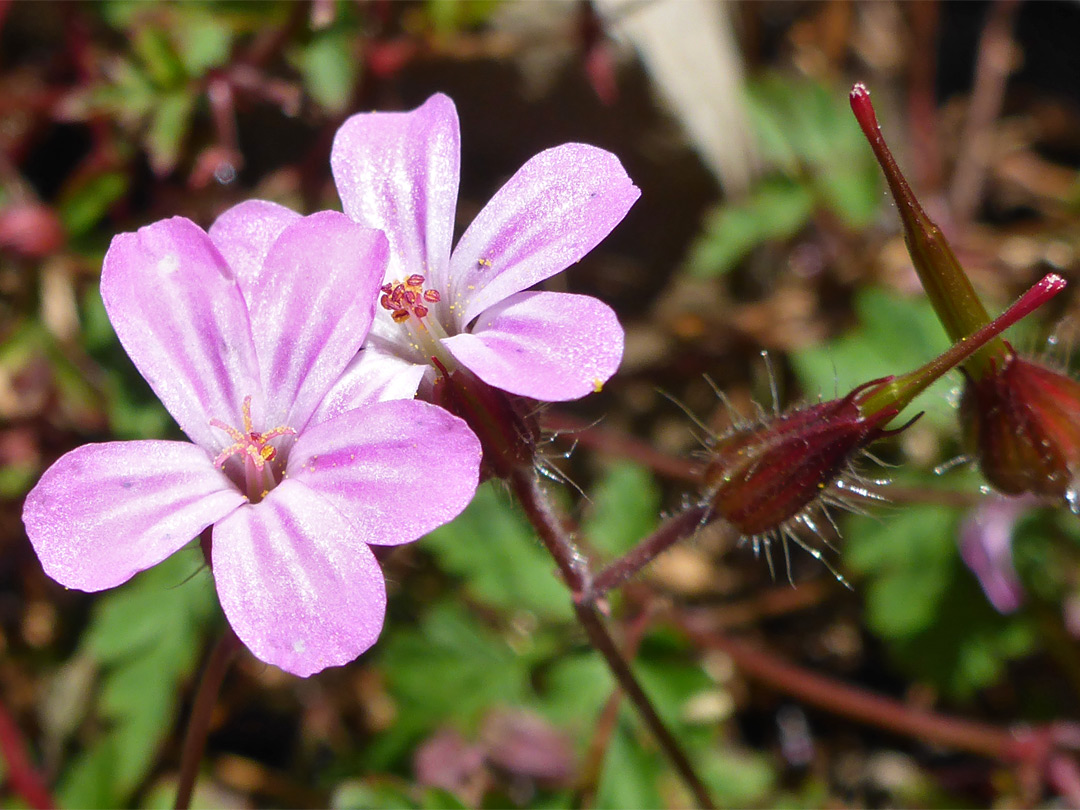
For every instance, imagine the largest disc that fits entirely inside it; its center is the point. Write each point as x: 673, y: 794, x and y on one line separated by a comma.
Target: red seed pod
x: 760, y: 478
x: 1022, y: 423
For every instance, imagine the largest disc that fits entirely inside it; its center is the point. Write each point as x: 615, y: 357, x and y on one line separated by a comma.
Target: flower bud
x: 1021, y: 420
x: 760, y: 478
x: 1022, y: 423
x: 765, y: 477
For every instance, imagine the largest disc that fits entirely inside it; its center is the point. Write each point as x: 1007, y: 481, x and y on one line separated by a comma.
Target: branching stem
x: 574, y: 570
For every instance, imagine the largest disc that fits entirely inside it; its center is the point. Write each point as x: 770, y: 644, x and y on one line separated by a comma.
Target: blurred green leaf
x: 624, y: 508
x: 330, y: 68
x: 631, y: 773
x: 133, y: 410
x: 923, y: 601
x: 157, y: 54
x: 203, y: 39
x: 807, y: 130
x: 83, y: 205
x: 449, y: 16
x: 449, y: 670
x: 737, y: 778
x: 147, y: 635
x: 896, y: 335
x: 168, y: 126
x: 775, y: 209
x: 493, y: 548
x: 371, y: 794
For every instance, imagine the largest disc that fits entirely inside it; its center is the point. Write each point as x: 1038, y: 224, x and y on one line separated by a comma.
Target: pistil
x: 255, y: 450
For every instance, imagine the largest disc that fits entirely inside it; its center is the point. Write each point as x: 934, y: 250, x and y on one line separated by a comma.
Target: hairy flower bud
x: 1022, y: 423
x: 1020, y: 419
x: 763, y: 476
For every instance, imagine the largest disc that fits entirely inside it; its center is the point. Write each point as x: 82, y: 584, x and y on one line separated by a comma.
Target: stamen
x: 403, y: 298
x: 250, y: 443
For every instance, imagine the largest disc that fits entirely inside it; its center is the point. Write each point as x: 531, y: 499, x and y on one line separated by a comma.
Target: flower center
x: 408, y: 297
x: 255, y: 452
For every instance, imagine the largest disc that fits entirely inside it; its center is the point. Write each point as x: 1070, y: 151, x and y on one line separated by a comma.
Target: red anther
x: 385, y: 302
x: 400, y: 315
x: 415, y: 280
x: 410, y: 297
x: 387, y: 288
x: 420, y: 310
x: 432, y: 296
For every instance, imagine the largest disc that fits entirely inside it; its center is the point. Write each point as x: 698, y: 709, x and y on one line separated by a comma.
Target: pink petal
x: 395, y: 469
x: 104, y: 512
x: 547, y: 346
x: 985, y: 541
x: 311, y: 308
x: 372, y: 376
x: 556, y: 209
x: 399, y: 172
x: 178, y: 312
x: 245, y: 233
x: 297, y: 585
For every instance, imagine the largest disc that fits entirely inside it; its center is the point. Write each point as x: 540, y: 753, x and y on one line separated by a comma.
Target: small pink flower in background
x: 243, y: 334
x: 986, y: 547
x: 469, y: 308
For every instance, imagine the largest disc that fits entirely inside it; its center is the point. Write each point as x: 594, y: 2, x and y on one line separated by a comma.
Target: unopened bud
x: 1022, y: 423
x: 761, y: 478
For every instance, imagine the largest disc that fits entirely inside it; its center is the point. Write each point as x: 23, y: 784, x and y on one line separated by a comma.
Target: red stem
x: 22, y: 776
x: 574, y: 570
x: 199, y: 721
x: 854, y: 702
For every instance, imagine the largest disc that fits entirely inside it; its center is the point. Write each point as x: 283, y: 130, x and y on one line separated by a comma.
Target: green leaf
x: 631, y: 774
x: 156, y: 52
x: 168, y: 127
x: 83, y: 206
x: 806, y: 130
x: 493, y: 548
x: 737, y: 778
x: 573, y: 692
x: 203, y: 40
x: 330, y: 68
x: 449, y: 670
x: 371, y: 794
x: 775, y: 209
x: 624, y: 509
x: 928, y: 607
x: 910, y: 557
x: 133, y: 410
x: 147, y: 634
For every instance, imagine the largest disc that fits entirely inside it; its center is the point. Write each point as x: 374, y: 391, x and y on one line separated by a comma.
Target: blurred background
x: 762, y: 227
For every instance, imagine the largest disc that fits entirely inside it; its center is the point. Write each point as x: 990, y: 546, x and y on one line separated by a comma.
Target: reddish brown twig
x: 21, y: 775
x: 1037, y: 753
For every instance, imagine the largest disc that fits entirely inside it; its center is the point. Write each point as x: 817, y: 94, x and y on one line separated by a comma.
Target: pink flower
x: 243, y: 334
x: 470, y: 308
x: 985, y: 542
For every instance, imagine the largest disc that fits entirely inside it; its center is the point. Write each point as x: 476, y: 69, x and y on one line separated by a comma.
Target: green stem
x: 898, y: 393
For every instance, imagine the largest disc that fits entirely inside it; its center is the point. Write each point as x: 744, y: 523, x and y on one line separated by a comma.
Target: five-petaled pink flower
x: 398, y: 172
x: 243, y: 333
